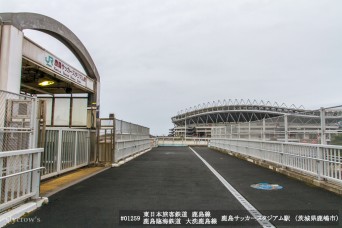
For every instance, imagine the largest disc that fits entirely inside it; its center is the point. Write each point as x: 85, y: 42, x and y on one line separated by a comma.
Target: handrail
x: 324, y: 161
x: 23, y: 172
x: 285, y: 143
x: 21, y: 152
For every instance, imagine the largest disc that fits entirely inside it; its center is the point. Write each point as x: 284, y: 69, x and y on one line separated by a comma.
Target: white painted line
x: 249, y: 207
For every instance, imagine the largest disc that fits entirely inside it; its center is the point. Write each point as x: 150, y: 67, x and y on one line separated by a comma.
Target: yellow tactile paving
x: 54, y: 185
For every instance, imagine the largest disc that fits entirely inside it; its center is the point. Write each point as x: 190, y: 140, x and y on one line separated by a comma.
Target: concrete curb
x: 15, y: 214
x: 127, y: 159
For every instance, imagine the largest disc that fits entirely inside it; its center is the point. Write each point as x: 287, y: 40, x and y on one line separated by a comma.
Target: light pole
x: 185, y: 128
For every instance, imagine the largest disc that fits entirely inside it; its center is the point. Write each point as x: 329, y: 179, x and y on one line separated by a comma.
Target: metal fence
x: 19, y: 176
x: 17, y: 121
x: 322, y: 126
x: 129, y: 139
x: 65, y: 149
x: 321, y: 161
x: 308, y: 142
x: 19, y: 162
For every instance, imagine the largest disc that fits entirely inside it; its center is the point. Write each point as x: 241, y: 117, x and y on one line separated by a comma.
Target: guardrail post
x: 88, y: 146
x: 59, y: 151
x: 97, y: 148
x: 319, y: 162
x: 263, y: 129
x: 249, y: 130
x: 323, y: 136
x: 34, y: 125
x: 114, y: 139
x: 231, y: 131
x: 286, y: 128
x: 36, y: 175
x: 282, y: 155
x: 76, y: 147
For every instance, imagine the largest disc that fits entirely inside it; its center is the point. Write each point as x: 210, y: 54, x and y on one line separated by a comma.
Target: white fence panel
x: 322, y: 161
x: 19, y: 176
x: 66, y: 149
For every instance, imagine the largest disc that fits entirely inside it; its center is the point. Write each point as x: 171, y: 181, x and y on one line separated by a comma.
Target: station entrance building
x: 45, y: 102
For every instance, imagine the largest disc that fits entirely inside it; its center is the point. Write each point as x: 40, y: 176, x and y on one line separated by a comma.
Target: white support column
x: 249, y: 130
x: 11, y: 54
x: 286, y: 125
x: 59, y: 151
x: 323, y: 136
x: 319, y: 162
x: 34, y: 124
x: 76, y: 148
x: 263, y: 129
x: 185, y: 129
x: 98, y: 90
x: 36, y: 175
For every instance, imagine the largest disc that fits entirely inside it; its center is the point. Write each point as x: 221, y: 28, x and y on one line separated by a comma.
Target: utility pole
x: 185, y: 129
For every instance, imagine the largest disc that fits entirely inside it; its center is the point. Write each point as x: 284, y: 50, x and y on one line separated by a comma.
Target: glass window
x: 48, y: 111
x: 79, y: 112
x: 62, y: 107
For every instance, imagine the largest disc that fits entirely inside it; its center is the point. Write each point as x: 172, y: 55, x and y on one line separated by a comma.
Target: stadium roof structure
x: 230, y: 111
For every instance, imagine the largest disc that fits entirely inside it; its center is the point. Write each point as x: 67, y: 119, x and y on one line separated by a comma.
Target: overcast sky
x: 157, y: 57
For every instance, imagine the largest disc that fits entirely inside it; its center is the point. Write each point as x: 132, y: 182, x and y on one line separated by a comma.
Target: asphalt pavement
x: 172, y: 185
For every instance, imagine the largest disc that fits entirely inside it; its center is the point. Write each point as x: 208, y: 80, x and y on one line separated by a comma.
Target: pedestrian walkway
x: 179, y: 181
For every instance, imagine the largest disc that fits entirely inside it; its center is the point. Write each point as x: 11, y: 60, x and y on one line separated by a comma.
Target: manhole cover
x: 267, y: 186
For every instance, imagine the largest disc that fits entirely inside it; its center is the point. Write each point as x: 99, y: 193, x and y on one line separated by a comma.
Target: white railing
x: 66, y: 149
x: 175, y: 141
x: 127, y: 145
x: 19, y: 176
x: 322, y: 161
x: 118, y: 139
x: 130, y: 139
